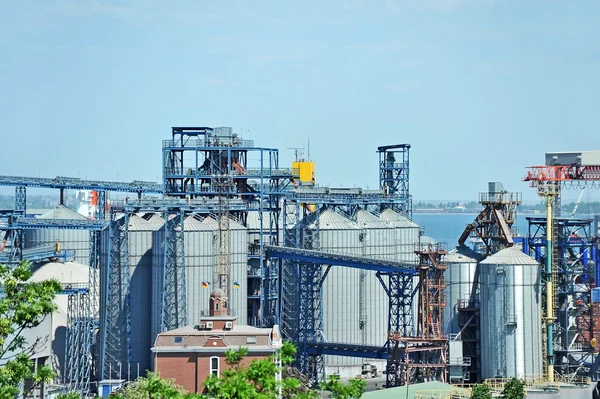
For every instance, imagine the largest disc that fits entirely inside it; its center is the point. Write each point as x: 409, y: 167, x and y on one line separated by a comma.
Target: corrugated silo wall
x: 77, y: 240
x: 140, y: 270
x: 158, y: 261
x: 239, y: 274
x: 200, y: 261
x: 459, y: 283
x: 378, y: 242
x: 340, y: 297
x: 510, y: 319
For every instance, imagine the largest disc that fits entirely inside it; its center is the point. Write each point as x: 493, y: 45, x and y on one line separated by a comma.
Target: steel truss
x: 393, y: 176
x: 197, y: 159
x: 572, y: 278
x: 78, y: 341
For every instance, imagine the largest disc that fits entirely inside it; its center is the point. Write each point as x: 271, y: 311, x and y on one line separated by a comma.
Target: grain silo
x: 67, y: 274
x: 200, y: 260
x: 140, y: 271
x: 378, y: 242
x: 407, y: 235
x: 238, y: 254
x: 460, y: 276
x: 71, y: 239
x: 341, y: 305
x: 510, y: 315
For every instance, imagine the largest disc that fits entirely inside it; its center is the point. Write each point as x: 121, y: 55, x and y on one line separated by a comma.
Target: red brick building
x: 191, y: 354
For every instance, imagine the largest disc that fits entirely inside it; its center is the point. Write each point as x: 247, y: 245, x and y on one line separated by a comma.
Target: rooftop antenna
x: 308, y: 151
x: 297, y: 152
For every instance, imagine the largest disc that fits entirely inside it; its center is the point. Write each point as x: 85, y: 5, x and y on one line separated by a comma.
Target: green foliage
x: 153, y: 387
x: 23, y: 305
x: 353, y: 390
x: 481, y: 391
x: 513, y: 389
x: 70, y: 395
x: 256, y: 381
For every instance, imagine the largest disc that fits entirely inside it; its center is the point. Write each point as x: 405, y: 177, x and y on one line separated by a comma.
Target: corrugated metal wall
x: 460, y: 276
x: 77, y: 240
x: 510, y: 315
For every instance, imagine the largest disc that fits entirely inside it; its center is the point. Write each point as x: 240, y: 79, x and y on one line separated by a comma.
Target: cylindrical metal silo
x: 462, y: 263
x: 140, y: 272
x: 407, y: 235
x: 69, y: 273
x: 238, y: 254
x: 510, y: 315
x: 341, y: 305
x: 77, y: 240
x: 378, y: 242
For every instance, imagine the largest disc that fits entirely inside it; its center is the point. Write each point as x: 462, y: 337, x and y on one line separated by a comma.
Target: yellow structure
x: 305, y: 170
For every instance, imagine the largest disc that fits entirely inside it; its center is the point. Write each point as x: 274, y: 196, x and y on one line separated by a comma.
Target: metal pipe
x: 549, y: 293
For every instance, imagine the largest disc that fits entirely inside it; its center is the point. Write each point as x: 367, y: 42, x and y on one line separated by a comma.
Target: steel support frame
x: 394, y: 179
x: 116, y: 323
x: 399, y: 289
x: 174, y: 297
x: 78, y: 342
x: 572, y: 251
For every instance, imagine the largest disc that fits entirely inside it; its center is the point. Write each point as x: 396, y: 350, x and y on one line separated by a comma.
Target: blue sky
x: 479, y: 88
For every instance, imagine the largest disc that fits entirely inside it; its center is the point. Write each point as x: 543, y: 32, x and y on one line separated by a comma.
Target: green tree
x: 153, y: 387
x: 23, y: 305
x: 481, y: 391
x: 513, y: 389
x: 259, y: 380
x: 353, y: 390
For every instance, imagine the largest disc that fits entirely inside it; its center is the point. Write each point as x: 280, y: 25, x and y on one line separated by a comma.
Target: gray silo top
x: 397, y: 220
x: 330, y: 220
x: 462, y: 254
x: 509, y: 256
x: 62, y: 212
x: 368, y: 220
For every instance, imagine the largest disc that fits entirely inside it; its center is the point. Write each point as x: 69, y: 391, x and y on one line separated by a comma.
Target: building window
x: 251, y: 339
x: 214, y: 366
x: 178, y: 340
x: 217, y: 306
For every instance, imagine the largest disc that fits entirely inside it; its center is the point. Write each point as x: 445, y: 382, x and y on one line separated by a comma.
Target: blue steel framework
x: 115, y: 356
x: 302, y: 305
x: 78, y: 340
x: 393, y: 176
x: 195, y: 162
x: 573, y: 276
x: 77, y: 371
x: 302, y: 276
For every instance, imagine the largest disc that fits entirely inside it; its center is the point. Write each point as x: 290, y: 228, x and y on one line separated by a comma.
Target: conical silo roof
x: 156, y: 221
x: 462, y: 254
x: 397, y: 220
x: 62, y: 212
x: 509, y: 256
x: 137, y: 223
x: 192, y: 224
x: 368, y: 220
x: 333, y: 220
x: 233, y: 225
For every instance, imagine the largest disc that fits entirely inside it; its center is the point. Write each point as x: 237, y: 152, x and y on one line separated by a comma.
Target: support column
x: 549, y: 291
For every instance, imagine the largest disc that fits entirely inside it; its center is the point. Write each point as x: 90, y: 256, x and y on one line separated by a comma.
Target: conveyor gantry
x: 308, y: 334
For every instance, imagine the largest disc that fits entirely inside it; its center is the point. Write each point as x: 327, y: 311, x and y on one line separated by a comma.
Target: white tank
x: 510, y: 315
x: 71, y: 239
x: 68, y: 273
x: 462, y: 263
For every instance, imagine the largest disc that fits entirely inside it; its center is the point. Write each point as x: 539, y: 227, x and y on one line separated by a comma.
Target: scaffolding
x: 394, y: 177
x: 78, y: 340
x: 573, y: 273
x: 424, y: 357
